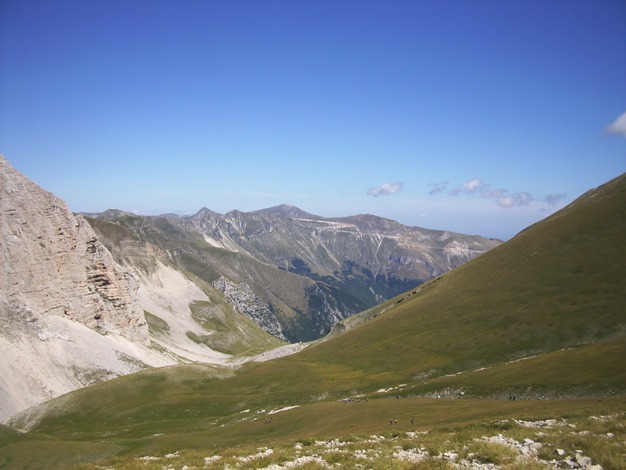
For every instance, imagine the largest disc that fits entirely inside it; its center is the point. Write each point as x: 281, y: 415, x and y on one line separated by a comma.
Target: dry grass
x: 438, y: 448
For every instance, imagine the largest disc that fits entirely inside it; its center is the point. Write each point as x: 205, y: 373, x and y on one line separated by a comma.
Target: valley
x: 312, y: 235
x: 91, y: 297
x: 293, y: 273
x: 513, y: 359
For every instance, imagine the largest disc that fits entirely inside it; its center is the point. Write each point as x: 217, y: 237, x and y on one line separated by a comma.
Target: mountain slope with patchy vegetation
x: 294, y: 274
x: 531, y: 331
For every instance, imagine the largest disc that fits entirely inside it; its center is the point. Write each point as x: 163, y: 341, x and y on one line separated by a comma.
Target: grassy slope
x: 559, y: 284
x: 242, y: 433
x: 230, y: 331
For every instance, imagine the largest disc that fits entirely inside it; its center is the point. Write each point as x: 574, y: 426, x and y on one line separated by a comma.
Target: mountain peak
x: 204, y: 212
x: 109, y: 214
x: 287, y: 210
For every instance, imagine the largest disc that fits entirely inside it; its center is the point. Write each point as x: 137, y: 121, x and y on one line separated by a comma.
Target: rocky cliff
x: 69, y: 314
x: 53, y: 264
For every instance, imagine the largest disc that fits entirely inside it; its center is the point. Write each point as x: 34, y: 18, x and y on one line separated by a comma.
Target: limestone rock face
x: 53, y: 264
x: 244, y: 300
x: 70, y: 316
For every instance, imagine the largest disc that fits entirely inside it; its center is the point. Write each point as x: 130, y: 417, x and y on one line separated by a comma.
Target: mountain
x: 295, y: 274
x: 86, y: 298
x: 553, y: 296
x: 70, y: 315
x: 287, y: 210
x: 540, y: 318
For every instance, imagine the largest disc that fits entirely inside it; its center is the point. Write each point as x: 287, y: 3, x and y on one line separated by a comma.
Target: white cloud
x: 469, y: 188
x: 385, y: 189
x: 438, y: 187
x: 490, y: 193
x: 514, y: 200
x: 618, y: 126
x: 501, y: 196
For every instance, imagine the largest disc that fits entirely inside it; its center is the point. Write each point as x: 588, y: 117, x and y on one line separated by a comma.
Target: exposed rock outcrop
x: 53, y: 263
x: 69, y: 314
x: 244, y: 300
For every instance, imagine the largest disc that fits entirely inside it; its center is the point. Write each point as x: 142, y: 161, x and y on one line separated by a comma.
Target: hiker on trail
x: 412, y: 421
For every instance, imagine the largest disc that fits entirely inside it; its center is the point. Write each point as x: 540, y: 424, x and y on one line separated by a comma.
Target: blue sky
x: 473, y: 116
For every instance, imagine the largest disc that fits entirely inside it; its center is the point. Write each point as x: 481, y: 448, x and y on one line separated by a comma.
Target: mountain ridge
x: 339, y: 266
x: 101, y: 295
x: 71, y: 315
x: 531, y: 330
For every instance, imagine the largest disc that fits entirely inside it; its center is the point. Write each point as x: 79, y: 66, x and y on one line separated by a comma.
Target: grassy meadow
x: 346, y: 433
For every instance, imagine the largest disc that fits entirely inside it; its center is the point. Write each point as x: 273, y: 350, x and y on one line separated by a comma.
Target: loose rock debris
x: 414, y: 447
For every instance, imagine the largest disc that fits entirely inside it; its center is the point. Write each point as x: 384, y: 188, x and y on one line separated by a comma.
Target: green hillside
x: 561, y: 283
x: 541, y: 317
